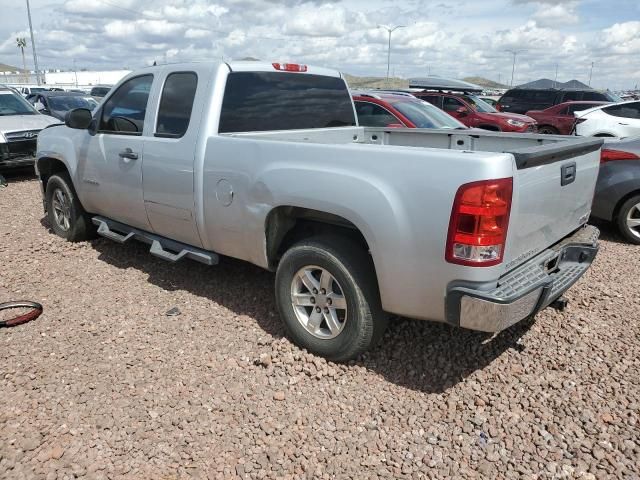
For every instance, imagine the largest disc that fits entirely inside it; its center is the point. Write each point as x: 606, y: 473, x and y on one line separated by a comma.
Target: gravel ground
x: 106, y: 385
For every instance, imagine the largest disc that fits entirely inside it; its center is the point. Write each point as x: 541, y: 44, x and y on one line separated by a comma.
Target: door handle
x: 128, y: 153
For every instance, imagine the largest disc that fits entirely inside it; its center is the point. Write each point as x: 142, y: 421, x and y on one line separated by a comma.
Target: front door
x: 112, y: 174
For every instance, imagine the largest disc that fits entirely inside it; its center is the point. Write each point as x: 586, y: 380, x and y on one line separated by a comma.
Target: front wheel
x: 327, y: 296
x: 628, y: 220
x: 64, y: 211
x: 548, y: 130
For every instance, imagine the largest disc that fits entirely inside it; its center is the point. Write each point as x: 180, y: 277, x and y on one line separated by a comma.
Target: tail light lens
x: 289, y: 67
x: 498, y: 107
x: 610, y: 155
x: 479, y: 221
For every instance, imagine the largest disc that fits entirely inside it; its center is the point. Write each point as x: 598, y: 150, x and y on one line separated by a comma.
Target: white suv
x: 20, y: 124
x: 617, y: 120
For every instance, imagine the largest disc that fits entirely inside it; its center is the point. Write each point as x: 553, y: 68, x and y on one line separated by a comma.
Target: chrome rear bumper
x: 526, y: 290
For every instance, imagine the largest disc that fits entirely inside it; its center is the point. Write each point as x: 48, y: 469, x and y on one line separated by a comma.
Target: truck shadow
x: 419, y: 355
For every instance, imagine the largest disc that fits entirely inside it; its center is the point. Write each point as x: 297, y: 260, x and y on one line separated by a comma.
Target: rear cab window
x: 267, y: 101
x: 176, y: 103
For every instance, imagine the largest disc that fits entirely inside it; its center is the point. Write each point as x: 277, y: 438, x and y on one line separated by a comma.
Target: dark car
x: 617, y: 196
x: 474, y: 112
x: 100, y: 91
x: 522, y: 100
x: 397, y: 109
x: 560, y: 119
x: 57, y: 104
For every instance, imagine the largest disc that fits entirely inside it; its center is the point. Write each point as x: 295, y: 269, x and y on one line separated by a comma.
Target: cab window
x: 450, y: 104
x: 176, y: 104
x: 372, y: 115
x: 124, y: 112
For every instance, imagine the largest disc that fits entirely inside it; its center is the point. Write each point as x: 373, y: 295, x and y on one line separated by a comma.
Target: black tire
x: 548, y: 130
x: 352, y: 268
x: 80, y: 227
x: 631, y: 207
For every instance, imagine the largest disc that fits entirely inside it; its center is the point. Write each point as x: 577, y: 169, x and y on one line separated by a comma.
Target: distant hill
x: 8, y: 68
x: 375, y: 82
x: 381, y: 82
x: 547, y: 83
x: 484, y: 82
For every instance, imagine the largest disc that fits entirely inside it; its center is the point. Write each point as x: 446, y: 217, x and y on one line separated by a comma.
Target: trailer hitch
x: 559, y: 304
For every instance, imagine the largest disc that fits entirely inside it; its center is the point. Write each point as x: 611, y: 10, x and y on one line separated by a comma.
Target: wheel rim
x: 633, y: 220
x: 61, y: 209
x: 318, y: 301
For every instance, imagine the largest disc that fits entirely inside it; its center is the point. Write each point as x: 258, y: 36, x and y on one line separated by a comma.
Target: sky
x: 449, y: 39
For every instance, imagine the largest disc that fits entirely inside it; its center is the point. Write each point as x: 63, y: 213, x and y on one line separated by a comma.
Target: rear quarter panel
x: 400, y: 198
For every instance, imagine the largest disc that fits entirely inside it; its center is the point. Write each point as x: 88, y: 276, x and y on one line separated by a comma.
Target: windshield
x: 425, y: 115
x: 612, y: 97
x: 13, y: 104
x: 479, y: 105
x: 69, y: 102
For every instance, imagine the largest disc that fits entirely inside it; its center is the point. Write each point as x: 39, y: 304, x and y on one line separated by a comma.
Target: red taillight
x: 498, y: 107
x: 479, y: 221
x: 290, y: 67
x: 609, y: 155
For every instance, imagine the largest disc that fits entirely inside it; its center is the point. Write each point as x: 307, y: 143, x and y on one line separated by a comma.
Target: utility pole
x: 513, y: 68
x: 590, y: 74
x: 33, y: 45
x: 390, y: 30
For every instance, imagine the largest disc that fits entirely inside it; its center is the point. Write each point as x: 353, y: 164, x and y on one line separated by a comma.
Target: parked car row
x: 97, y: 91
x: 57, y: 104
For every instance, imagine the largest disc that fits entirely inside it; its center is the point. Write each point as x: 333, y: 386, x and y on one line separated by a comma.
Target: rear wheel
x: 327, y: 296
x: 628, y: 220
x: 548, y: 130
x: 64, y: 212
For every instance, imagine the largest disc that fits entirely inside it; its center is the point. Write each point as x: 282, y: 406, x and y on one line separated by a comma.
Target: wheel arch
x: 286, y: 224
x: 622, y: 201
x: 48, y: 166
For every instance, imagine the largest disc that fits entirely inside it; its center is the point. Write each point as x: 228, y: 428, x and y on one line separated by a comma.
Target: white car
x: 613, y: 120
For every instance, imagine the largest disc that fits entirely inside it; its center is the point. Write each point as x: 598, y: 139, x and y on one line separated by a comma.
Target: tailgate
x: 552, y: 195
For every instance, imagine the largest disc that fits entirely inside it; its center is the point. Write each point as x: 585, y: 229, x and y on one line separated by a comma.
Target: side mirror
x: 462, y: 111
x: 79, y: 118
x: 395, y: 125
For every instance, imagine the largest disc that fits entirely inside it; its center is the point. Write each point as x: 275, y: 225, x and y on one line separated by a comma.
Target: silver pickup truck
x: 265, y: 163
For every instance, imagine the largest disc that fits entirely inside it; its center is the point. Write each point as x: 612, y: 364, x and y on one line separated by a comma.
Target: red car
x: 476, y: 113
x: 399, y: 109
x: 559, y: 119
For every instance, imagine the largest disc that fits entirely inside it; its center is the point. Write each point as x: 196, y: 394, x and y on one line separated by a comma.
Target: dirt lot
x: 105, y: 385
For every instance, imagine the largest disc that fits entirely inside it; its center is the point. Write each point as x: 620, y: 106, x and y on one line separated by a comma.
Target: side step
x: 161, y: 247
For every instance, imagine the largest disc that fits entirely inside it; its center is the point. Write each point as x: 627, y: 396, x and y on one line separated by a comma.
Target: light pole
x: 33, y: 45
x: 513, y: 68
x: 390, y: 30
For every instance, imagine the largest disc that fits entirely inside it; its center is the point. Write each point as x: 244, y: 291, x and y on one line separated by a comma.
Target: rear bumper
x: 526, y: 290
